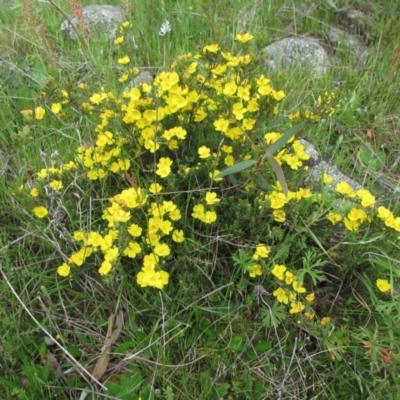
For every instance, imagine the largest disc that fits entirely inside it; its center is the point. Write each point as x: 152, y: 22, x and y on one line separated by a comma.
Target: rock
x: 318, y: 166
x: 356, y: 21
x: 304, y: 52
x: 143, y: 77
x: 99, y: 20
x: 339, y: 38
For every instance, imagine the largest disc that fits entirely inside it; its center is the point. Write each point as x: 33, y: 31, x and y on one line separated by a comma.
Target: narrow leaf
x: 280, y: 176
x: 284, y: 139
x: 236, y: 168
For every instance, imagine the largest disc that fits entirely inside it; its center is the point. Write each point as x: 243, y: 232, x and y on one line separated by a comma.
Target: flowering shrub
x: 183, y: 158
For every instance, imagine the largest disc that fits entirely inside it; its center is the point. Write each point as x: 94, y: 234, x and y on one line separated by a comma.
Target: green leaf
x: 265, y: 345
x: 372, y: 160
x: 271, y: 150
x: 42, y: 349
x: 74, y: 351
x: 280, y: 176
x: 234, y: 169
x: 205, y: 382
x: 222, y: 390
x: 238, y: 342
x: 274, y: 316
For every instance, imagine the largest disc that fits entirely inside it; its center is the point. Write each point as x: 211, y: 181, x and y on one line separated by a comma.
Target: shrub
x: 178, y: 168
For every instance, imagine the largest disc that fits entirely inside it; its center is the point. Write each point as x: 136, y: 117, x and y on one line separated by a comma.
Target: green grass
x: 213, y: 332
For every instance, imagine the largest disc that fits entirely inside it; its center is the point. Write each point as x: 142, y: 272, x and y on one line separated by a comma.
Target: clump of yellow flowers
x: 164, y: 144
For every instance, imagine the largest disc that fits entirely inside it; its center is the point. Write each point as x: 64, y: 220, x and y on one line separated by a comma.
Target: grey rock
x: 143, y: 77
x: 304, y: 52
x: 338, y: 38
x: 319, y: 166
x: 356, y: 21
x: 99, y: 20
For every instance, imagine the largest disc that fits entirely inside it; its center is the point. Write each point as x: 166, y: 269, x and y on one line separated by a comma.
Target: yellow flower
x: 296, y: 307
x: 383, y: 285
x: 278, y: 94
x: 39, y: 113
x: 56, y: 108
x: 94, y: 239
x: 367, y: 199
x: 56, y: 185
x: 351, y: 225
x: 310, y: 297
x: 293, y: 116
x: 277, y: 199
x: 164, y: 167
x: 162, y: 250
x: 124, y: 60
x: 345, y: 188
x: 119, y: 40
x: 204, y: 152
x: 230, y: 88
x: 219, y: 69
x: 298, y: 288
x: 178, y: 236
x: 157, y: 279
x: 155, y: 188
x: 325, y: 320
x: 209, y: 217
x: 289, y: 277
x: 262, y: 251
x: 279, y: 215
x: 222, y: 125
x: 211, y: 198
x: 105, y: 268
x: 80, y: 236
x: 281, y: 296
x: 132, y: 250
x: 123, y: 78
x: 64, y: 270
x: 111, y: 254
x: 80, y: 256
x: 135, y: 230
x: 150, y: 261
x: 229, y: 160
x: 211, y: 48
x: 26, y: 113
x: 213, y: 175
x: 244, y: 37
x: 34, y: 192
x: 255, y: 270
x: 278, y: 271
x: 40, y: 212
x: 334, y: 218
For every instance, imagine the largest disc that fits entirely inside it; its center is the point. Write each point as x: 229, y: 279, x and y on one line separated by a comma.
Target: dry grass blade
x: 111, y: 337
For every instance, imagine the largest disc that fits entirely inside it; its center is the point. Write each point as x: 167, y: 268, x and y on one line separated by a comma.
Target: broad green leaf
x: 234, y: 169
x: 375, y: 161
x: 284, y: 139
x: 280, y: 176
x: 262, y: 346
x: 238, y: 342
x: 222, y: 390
